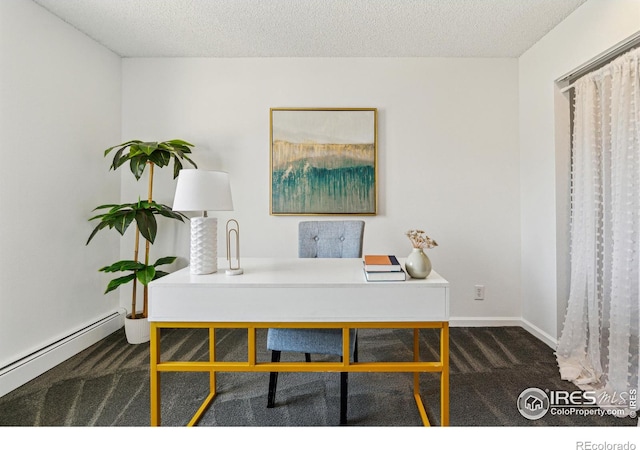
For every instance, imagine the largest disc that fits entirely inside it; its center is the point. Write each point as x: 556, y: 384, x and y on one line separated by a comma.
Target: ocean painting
x: 323, y: 161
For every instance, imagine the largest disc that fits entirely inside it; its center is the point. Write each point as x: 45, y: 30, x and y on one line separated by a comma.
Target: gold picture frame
x: 323, y: 161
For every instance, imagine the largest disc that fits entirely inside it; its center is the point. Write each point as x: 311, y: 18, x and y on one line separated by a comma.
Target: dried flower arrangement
x: 419, y: 239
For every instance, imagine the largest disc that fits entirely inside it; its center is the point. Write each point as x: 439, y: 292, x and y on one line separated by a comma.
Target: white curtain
x: 598, y: 347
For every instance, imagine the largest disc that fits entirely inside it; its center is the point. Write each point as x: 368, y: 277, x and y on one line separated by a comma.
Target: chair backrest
x: 330, y: 239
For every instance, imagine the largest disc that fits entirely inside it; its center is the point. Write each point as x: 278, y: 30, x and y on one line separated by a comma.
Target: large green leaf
x: 111, y: 206
x: 122, y: 266
x: 160, y: 158
x: 122, y: 220
x: 160, y: 274
x: 164, y: 260
x: 147, y: 224
x: 117, y: 282
x: 137, y: 165
x: 99, y: 227
x: 145, y: 276
x: 117, y: 158
x: 177, y: 167
x: 166, y: 211
x: 122, y: 146
x: 147, y: 147
x: 179, y: 142
x: 190, y: 160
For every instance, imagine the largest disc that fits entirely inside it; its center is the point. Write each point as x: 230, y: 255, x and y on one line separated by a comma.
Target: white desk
x: 297, y: 293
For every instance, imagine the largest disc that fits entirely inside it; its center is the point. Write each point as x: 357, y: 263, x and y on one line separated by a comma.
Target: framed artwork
x: 323, y: 161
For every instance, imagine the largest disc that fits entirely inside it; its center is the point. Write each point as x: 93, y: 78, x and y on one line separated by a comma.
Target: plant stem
x: 135, y: 280
x: 150, y: 198
x: 145, y: 308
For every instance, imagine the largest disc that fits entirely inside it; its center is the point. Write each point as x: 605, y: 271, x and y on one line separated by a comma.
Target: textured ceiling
x: 314, y: 28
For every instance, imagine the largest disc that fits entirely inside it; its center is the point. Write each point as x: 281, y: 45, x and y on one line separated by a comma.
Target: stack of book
x: 383, y: 268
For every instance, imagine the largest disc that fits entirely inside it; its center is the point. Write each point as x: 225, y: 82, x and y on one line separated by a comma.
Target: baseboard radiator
x: 26, y: 369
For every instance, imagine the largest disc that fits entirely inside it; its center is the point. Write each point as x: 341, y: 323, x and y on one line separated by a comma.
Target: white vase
x: 418, y: 264
x: 137, y: 330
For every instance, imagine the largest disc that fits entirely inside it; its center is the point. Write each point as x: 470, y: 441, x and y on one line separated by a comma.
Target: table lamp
x: 203, y: 190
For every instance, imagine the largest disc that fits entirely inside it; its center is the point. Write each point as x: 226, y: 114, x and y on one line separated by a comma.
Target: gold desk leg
x: 212, y: 358
x: 444, y: 376
x: 416, y: 379
x: 212, y: 381
x: 154, y: 357
x: 346, y: 356
x: 416, y: 358
x: 251, y: 346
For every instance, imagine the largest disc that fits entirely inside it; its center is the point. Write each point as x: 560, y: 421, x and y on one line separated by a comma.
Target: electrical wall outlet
x: 479, y: 291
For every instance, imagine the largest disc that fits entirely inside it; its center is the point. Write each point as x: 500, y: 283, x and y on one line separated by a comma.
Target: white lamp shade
x: 202, y: 190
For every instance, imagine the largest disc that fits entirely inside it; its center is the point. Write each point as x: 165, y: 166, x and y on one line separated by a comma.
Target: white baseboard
x: 537, y: 332
x: 485, y: 322
x: 29, y: 367
x: 504, y: 322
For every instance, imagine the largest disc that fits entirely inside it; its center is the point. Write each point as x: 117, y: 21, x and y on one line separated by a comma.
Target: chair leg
x: 344, y: 383
x: 344, y: 386
x: 273, y: 380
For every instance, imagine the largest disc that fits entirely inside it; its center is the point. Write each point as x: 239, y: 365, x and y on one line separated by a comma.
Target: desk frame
x: 212, y: 366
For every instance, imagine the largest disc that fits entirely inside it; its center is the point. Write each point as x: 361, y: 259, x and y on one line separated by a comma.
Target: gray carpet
x: 108, y: 385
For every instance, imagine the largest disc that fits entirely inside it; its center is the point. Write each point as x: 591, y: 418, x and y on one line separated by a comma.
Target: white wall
x: 448, y: 154
x: 60, y: 108
x: 592, y: 29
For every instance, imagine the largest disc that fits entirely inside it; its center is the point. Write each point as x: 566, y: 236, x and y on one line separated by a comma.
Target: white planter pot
x: 137, y: 330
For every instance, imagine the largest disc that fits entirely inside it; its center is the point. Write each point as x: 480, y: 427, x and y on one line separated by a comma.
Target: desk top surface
x: 296, y: 272
x: 296, y: 290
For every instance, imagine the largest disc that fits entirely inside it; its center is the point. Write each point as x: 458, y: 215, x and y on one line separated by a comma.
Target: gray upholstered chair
x: 319, y: 239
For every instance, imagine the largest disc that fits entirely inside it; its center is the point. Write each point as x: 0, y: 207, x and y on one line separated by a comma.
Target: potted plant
x: 140, y: 155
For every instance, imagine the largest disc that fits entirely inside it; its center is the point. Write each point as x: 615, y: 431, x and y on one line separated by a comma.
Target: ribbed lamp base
x: 204, y: 245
